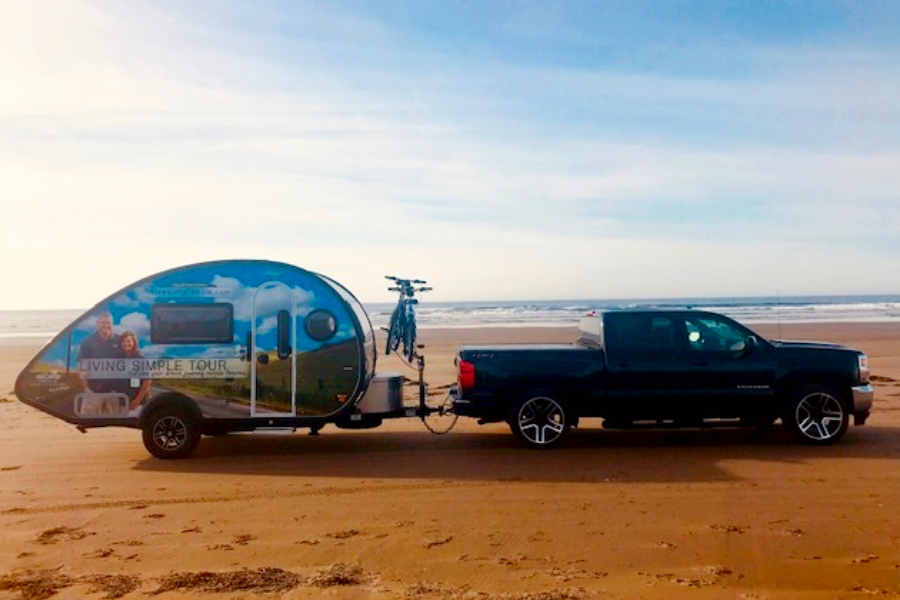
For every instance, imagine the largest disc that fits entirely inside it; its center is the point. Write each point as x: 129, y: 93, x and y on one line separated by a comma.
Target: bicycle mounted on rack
x: 402, y: 330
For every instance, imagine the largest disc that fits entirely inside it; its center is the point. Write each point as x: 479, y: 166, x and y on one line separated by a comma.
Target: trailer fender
x: 171, y: 399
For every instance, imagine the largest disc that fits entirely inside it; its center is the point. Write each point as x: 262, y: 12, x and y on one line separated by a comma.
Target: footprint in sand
x: 343, y: 534
x: 717, y: 570
x: 861, y: 589
x: 865, y: 559
x: 728, y: 528
x: 538, y: 536
x: 431, y: 543
x: 566, y: 575
x: 52, y: 536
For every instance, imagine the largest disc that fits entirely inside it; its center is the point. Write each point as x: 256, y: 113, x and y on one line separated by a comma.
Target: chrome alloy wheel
x: 170, y: 432
x: 541, y: 420
x: 819, y: 416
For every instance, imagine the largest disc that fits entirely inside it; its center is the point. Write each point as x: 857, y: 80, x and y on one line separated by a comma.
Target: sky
x: 500, y: 150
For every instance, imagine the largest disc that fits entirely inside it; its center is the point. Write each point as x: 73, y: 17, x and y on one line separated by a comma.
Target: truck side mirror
x: 745, y: 347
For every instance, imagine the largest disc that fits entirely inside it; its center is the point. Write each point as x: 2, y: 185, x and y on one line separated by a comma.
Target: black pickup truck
x: 676, y: 368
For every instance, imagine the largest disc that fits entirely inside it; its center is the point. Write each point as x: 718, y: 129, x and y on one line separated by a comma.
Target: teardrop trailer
x: 215, y: 348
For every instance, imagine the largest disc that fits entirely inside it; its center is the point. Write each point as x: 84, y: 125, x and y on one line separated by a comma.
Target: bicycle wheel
x: 393, y: 333
x: 409, y: 337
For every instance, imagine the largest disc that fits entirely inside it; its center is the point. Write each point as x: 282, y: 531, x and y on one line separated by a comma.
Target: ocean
x: 553, y: 313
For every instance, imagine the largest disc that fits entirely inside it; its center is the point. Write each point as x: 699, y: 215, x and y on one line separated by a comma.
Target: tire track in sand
x: 268, y: 495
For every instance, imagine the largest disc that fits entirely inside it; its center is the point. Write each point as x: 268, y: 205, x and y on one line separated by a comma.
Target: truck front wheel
x: 817, y: 415
x: 170, y: 431
x: 540, y: 420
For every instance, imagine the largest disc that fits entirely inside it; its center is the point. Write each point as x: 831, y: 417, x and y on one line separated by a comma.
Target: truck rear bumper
x: 863, y: 397
x: 481, y: 407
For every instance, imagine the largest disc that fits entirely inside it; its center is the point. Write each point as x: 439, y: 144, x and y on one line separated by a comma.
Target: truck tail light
x: 465, y: 375
x: 864, y: 375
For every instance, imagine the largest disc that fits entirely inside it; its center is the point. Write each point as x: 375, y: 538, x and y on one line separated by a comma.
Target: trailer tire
x: 170, y: 432
x: 540, y: 419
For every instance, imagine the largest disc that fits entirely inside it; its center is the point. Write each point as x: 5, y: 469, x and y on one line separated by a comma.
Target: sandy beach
x: 397, y: 512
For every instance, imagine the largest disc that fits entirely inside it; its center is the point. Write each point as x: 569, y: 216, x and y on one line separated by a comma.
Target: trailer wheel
x: 817, y: 415
x: 171, y: 432
x: 540, y: 420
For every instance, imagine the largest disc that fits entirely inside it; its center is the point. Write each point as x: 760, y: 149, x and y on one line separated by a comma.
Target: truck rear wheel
x: 170, y: 432
x: 540, y: 420
x: 817, y: 415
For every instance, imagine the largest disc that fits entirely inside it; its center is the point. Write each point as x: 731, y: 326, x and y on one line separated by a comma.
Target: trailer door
x: 273, y: 389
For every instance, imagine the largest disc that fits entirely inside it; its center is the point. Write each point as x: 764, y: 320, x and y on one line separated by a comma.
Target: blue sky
x: 501, y: 150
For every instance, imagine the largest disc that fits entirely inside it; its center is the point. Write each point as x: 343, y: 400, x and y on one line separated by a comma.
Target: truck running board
x: 674, y: 424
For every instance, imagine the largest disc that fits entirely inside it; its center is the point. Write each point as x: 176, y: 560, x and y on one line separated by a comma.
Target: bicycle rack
x: 407, y: 289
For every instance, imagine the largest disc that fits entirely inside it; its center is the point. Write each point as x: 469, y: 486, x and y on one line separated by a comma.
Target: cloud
x: 136, y: 322
x: 129, y: 300
x: 250, y: 300
x: 88, y: 324
x: 267, y: 325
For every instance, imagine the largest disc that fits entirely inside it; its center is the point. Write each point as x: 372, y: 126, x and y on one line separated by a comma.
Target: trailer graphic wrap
x: 240, y: 339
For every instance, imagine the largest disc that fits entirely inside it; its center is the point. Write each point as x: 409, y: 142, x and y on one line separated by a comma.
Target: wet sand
x: 397, y: 512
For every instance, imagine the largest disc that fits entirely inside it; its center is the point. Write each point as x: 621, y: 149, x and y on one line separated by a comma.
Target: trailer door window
x: 192, y: 323
x: 284, y: 334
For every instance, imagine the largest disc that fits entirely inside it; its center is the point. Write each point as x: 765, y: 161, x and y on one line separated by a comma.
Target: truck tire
x: 170, y: 432
x: 817, y: 415
x: 540, y: 420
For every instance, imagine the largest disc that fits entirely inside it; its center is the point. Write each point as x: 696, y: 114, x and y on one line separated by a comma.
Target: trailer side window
x: 192, y: 323
x: 321, y: 325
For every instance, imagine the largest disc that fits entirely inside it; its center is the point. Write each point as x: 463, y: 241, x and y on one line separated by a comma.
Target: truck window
x: 192, y: 323
x: 642, y: 337
x: 708, y: 334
